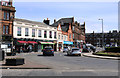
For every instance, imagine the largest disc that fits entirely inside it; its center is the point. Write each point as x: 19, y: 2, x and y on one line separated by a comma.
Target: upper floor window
x: 62, y: 37
x: 33, y: 32
x: 19, y: 31
x: 6, y: 15
x: 55, y: 35
x: 50, y: 34
x: 7, y: 29
x: 59, y: 37
x: 70, y: 36
x: 73, y: 27
x: 3, y: 29
x: 26, y: 32
x: 73, y: 35
x: 65, y: 37
x: 39, y: 33
x: 45, y: 34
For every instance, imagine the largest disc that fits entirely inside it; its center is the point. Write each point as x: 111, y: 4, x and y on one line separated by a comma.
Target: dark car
x: 48, y: 51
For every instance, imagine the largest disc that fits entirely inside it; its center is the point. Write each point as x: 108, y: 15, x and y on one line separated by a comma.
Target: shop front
x: 42, y: 45
x: 67, y: 43
x: 59, y: 45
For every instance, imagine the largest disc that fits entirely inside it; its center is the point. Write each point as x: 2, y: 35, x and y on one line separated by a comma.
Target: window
x: 39, y: 33
x: 73, y: 35
x: 26, y: 32
x: 62, y: 37
x: 50, y: 34
x: 73, y: 27
x: 59, y: 37
x: 45, y: 34
x: 70, y: 36
x: 65, y: 37
x: 33, y: 32
x: 6, y: 15
x: 55, y: 35
x: 3, y: 29
x: 19, y: 31
x: 7, y: 29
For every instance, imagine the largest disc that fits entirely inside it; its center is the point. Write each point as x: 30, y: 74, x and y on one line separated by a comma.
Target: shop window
x: 19, y: 31
x: 39, y: 33
x: 62, y: 37
x: 33, y: 32
x: 70, y: 36
x: 45, y: 34
x: 50, y: 34
x: 26, y: 32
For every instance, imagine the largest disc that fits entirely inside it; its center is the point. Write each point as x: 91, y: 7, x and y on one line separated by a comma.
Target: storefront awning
x: 46, y: 42
x: 67, y: 42
x: 22, y: 41
x: 32, y: 42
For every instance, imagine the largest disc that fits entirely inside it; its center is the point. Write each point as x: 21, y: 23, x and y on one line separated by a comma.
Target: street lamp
x: 102, y: 34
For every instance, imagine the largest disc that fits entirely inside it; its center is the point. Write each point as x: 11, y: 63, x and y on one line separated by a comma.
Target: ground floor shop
x: 31, y: 45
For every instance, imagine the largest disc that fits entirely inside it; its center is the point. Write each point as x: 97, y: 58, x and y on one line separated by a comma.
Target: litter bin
x: 2, y: 55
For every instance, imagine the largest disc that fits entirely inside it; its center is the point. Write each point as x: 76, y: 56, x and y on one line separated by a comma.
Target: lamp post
x: 102, y: 34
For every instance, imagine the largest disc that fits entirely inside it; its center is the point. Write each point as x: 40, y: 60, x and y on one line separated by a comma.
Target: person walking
x: 21, y: 49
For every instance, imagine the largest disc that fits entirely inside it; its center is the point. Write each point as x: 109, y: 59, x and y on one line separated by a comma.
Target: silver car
x: 75, y: 51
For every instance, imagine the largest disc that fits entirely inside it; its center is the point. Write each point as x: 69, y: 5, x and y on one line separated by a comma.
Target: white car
x: 75, y: 51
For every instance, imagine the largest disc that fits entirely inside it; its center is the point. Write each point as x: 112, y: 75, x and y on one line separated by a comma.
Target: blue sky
x: 89, y: 12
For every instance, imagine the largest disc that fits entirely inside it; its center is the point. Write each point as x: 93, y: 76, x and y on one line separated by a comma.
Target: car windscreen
x: 75, y: 49
x: 48, y: 48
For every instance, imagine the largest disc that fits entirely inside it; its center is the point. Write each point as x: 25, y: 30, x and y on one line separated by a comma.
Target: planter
x: 10, y: 54
x: 15, y: 61
x: 106, y: 55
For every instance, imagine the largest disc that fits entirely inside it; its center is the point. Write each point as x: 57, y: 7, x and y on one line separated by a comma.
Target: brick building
x: 78, y: 31
x: 111, y: 38
x: 7, y: 12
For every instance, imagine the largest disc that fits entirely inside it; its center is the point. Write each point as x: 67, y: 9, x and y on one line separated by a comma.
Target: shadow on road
x: 71, y: 55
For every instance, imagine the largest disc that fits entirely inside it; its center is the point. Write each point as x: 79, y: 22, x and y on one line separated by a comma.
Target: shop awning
x: 32, y: 42
x: 46, y: 42
x: 22, y: 41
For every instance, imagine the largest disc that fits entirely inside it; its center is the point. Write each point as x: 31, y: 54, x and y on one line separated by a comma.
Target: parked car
x: 92, y: 48
x: 65, y: 49
x: 86, y: 49
x: 48, y: 51
x: 74, y: 51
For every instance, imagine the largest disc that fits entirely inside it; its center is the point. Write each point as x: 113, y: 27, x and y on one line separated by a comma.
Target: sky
x: 88, y: 12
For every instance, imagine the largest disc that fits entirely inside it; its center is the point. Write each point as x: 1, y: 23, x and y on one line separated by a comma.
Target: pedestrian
x: 28, y: 48
x: 13, y: 48
x: 21, y: 49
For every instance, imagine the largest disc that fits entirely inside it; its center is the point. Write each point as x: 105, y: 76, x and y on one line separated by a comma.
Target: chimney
x: 54, y: 20
x: 46, y: 21
x: 10, y: 2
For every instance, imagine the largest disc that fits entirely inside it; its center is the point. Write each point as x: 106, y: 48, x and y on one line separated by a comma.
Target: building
x: 35, y: 35
x: 111, y: 38
x: 7, y: 12
x: 77, y: 35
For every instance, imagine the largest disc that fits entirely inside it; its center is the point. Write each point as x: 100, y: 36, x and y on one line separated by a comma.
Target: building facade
x: 111, y: 38
x: 35, y: 35
x: 77, y: 35
x: 7, y: 13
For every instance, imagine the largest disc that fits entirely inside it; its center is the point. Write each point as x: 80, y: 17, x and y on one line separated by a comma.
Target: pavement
x: 28, y: 64
x: 101, y: 57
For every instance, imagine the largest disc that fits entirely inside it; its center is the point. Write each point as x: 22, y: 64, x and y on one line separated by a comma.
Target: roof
x: 62, y: 21
x: 65, y: 28
x: 31, y: 22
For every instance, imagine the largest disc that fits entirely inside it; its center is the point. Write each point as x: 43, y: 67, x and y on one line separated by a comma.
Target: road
x: 63, y: 65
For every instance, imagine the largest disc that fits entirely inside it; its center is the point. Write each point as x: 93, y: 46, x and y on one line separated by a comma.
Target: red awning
x: 22, y: 41
x: 32, y: 42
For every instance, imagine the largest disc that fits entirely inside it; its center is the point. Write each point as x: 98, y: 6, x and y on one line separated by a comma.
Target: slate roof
x: 62, y: 21
x: 31, y: 22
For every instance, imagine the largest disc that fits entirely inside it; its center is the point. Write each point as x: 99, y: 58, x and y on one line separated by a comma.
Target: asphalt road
x: 63, y: 65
